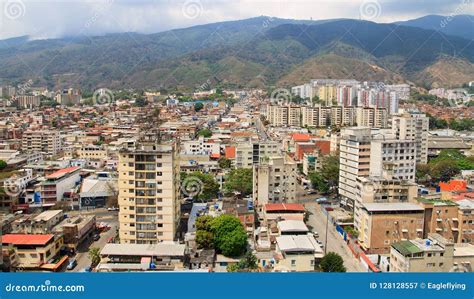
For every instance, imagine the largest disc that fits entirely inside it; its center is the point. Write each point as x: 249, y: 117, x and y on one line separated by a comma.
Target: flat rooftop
x: 380, y: 207
x: 160, y: 249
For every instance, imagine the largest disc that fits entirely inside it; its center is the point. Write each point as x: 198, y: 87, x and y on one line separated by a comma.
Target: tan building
x: 92, y: 152
x: 247, y: 154
x: 48, y: 142
x: 434, y: 254
x: 466, y: 221
x: 30, y: 251
x: 327, y: 94
x: 297, y: 253
x: 148, y: 192
x: 441, y: 217
x: 42, y: 223
x: 274, y: 180
x: 382, y: 224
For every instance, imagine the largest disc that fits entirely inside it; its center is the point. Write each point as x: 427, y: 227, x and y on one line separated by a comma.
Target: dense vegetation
x: 447, y: 165
x: 224, y: 233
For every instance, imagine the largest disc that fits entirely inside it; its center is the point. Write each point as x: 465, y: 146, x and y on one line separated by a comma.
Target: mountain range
x: 256, y: 52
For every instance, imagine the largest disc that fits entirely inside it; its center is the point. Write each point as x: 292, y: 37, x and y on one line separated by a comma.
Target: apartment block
x: 274, y: 180
x: 59, y: 182
x: 413, y: 127
x: 148, y: 192
x: 48, y: 142
x: 433, y: 254
x: 395, y: 156
x: 354, y: 158
x: 248, y: 154
x: 441, y: 217
x: 383, y: 224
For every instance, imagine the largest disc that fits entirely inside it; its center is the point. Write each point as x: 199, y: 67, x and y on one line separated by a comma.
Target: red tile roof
x: 215, y: 155
x: 273, y: 207
x: 21, y: 239
x: 230, y: 152
x: 300, y: 137
x: 62, y: 172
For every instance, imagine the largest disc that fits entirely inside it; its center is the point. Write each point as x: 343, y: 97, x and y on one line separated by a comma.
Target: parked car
x: 310, y: 192
x: 87, y: 269
x: 72, y: 264
x: 96, y: 237
x: 112, y: 209
x: 315, y: 234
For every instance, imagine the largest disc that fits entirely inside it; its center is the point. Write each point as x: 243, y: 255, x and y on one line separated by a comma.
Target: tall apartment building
x: 413, y: 127
x: 354, y: 158
x: 327, y: 94
x: 372, y: 117
x: 277, y: 115
x: 248, y: 154
x: 396, y: 156
x: 48, y: 142
x: 274, y: 180
x: 148, y: 192
x: 27, y: 101
x: 319, y: 116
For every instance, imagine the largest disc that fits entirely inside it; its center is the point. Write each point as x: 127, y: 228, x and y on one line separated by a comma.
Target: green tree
x: 204, y: 234
x: 239, y: 180
x: 198, y: 106
x: 230, y: 237
x: 206, y: 133
x: 141, y: 102
x: 445, y: 170
x: 332, y: 262
x: 224, y: 163
x: 330, y: 170
x: 247, y: 264
x: 200, y: 185
x: 3, y: 165
x: 94, y: 256
x: 318, y: 182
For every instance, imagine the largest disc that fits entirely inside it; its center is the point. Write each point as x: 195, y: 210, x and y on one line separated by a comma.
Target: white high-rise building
x: 413, y: 127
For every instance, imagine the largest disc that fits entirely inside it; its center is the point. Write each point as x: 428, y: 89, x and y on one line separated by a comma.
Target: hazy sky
x: 58, y: 18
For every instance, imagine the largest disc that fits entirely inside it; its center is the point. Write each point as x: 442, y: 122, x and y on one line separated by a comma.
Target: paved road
x: 82, y: 256
x: 317, y: 220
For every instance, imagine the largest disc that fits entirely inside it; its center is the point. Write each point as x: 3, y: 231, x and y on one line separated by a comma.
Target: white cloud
x: 54, y: 18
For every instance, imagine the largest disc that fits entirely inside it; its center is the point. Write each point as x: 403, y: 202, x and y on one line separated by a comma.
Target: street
x: 102, y: 215
x: 335, y: 243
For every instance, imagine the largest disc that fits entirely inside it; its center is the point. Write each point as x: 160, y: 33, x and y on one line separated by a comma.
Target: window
x: 430, y: 265
x: 293, y: 263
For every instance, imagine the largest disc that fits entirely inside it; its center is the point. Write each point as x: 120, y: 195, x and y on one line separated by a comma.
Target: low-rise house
x: 434, y: 254
x: 33, y: 252
x: 162, y: 256
x: 297, y: 253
